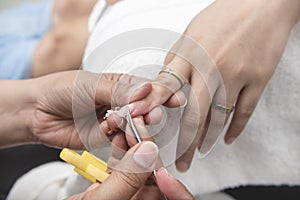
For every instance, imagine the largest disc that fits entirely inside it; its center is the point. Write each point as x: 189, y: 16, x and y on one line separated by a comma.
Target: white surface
x: 48, y: 181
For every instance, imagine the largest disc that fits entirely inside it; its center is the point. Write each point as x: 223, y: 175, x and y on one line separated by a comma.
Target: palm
x: 59, y: 107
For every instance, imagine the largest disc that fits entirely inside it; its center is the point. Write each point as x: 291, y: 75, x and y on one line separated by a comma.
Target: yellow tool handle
x: 87, y: 165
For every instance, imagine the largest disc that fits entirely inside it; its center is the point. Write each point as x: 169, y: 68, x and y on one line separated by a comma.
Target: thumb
x: 120, y: 89
x: 131, y: 174
x: 171, y: 187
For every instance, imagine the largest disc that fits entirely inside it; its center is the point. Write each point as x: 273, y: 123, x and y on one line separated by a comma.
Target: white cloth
x: 267, y: 151
x: 48, y: 180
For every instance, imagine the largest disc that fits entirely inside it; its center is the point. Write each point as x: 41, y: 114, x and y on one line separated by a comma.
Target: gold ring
x: 172, y: 72
x: 222, y: 108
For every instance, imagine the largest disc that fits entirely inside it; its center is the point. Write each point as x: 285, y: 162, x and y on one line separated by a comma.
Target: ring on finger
x: 175, y: 74
x: 223, y: 109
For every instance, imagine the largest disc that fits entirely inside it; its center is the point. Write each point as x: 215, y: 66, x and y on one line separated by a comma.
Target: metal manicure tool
x: 138, y: 138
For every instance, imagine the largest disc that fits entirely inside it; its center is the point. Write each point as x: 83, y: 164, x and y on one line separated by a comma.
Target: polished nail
x: 182, y: 166
x: 131, y: 107
x: 146, y: 155
x: 118, y: 120
x: 165, y: 172
x: 230, y: 140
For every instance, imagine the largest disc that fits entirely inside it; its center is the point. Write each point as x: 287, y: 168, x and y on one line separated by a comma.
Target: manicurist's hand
x: 74, y: 103
x: 228, y: 53
x: 129, y: 180
x: 55, y: 109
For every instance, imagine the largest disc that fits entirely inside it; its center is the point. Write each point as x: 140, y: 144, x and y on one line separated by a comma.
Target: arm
x: 42, y: 109
x: 16, y: 103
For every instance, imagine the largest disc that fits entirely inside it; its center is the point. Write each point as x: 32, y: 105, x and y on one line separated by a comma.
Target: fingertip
x: 182, y: 166
x: 181, y: 98
x: 131, y: 107
x: 163, y: 172
x: 229, y: 139
x: 140, y: 107
x: 104, y: 127
x: 154, y: 116
x: 119, y: 121
x: 170, y: 186
x: 141, y: 92
x: 177, y: 99
x: 146, y: 154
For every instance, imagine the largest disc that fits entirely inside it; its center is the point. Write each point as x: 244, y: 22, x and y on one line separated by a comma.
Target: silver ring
x: 175, y: 74
x: 222, y: 108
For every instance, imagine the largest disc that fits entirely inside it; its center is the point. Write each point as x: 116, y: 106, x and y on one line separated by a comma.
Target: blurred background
x: 4, y: 4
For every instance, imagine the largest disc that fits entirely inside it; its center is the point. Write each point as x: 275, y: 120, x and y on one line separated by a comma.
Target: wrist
x: 16, y: 112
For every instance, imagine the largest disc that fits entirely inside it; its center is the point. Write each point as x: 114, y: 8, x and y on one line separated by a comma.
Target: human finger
x: 171, y: 187
x: 118, y: 89
x: 221, y: 107
x: 119, y: 148
x: 245, y: 105
x: 115, y: 122
x: 192, y: 123
x: 141, y: 129
x: 140, y: 158
x: 176, y: 100
x: 165, y: 85
x: 156, y: 114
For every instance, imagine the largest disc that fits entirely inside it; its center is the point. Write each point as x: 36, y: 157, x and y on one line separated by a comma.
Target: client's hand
x: 245, y: 41
x: 127, y: 184
x: 70, y: 102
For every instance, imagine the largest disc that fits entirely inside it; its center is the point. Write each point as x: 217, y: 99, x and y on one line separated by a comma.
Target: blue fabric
x: 21, y: 29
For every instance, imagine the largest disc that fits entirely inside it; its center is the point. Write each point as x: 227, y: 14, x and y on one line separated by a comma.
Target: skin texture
x: 128, y: 185
x: 40, y: 110
x: 245, y: 42
x: 43, y: 113
x: 63, y: 46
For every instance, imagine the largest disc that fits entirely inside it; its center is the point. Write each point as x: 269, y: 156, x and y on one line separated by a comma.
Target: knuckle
x: 237, y: 69
x: 246, y: 112
x: 240, y: 71
x: 221, y: 60
x: 132, y: 180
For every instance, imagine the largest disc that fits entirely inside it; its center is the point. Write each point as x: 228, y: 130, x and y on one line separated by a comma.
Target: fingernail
x: 181, y: 99
x: 230, y: 140
x: 182, y: 166
x: 131, y: 107
x: 118, y: 120
x: 165, y: 172
x: 146, y: 154
x: 155, y: 115
x: 184, y: 104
